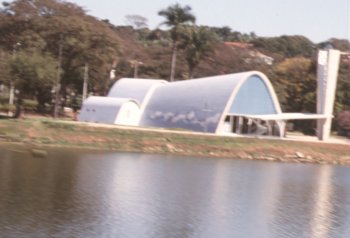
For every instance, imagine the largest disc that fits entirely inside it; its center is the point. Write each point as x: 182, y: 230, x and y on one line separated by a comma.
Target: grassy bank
x: 43, y: 133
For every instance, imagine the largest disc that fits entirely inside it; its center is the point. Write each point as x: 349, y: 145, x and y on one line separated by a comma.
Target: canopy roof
x: 284, y: 116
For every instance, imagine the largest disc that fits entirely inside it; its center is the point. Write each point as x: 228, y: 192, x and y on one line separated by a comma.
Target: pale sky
x: 318, y: 20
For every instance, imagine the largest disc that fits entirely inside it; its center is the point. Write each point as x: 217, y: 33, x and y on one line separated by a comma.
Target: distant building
x: 253, y: 55
x: 258, y: 57
x: 240, y: 45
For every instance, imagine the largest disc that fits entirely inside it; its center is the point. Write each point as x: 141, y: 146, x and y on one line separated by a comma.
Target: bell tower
x: 327, y: 74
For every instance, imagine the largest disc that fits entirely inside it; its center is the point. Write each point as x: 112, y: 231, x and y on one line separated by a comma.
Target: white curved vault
x: 121, y: 111
x: 202, y: 104
x: 140, y: 90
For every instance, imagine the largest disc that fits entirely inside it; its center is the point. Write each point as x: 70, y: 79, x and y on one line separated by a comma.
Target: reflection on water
x: 135, y: 195
x: 320, y: 224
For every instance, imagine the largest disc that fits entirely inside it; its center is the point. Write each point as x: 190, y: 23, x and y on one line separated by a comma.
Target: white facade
x: 124, y: 103
x: 106, y: 110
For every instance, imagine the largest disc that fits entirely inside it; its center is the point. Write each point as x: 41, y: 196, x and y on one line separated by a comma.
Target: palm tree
x: 198, y: 45
x: 176, y: 17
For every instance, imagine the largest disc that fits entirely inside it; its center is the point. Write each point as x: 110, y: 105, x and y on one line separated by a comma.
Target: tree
x: 287, y: 46
x: 340, y: 44
x: 224, y: 33
x: 4, y: 67
x: 198, y: 44
x: 297, y: 79
x: 137, y: 21
x: 34, y: 75
x: 176, y: 17
x: 44, y: 26
x: 295, y: 83
x: 343, y: 121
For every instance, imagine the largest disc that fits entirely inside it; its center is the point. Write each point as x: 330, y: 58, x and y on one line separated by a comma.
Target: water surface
x: 136, y: 195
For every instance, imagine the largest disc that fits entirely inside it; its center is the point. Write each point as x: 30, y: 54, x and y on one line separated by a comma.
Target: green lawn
x: 47, y: 132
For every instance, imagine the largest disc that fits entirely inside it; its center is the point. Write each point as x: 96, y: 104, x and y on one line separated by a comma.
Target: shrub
x: 343, y: 122
x: 30, y: 105
x: 7, y: 107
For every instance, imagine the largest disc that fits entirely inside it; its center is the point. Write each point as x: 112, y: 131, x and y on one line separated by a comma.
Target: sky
x: 319, y: 20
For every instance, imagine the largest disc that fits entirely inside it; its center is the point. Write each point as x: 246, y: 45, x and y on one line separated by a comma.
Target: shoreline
x: 48, y: 134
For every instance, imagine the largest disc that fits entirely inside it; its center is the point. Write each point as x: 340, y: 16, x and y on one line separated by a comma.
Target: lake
x: 137, y: 195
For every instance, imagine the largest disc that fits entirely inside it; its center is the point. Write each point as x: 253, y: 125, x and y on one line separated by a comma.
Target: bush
x: 343, y: 123
x: 30, y: 105
x: 7, y: 107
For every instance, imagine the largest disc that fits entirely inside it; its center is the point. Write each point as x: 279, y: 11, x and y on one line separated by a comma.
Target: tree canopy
x: 41, y: 27
x: 176, y: 17
x: 286, y: 46
x: 198, y: 44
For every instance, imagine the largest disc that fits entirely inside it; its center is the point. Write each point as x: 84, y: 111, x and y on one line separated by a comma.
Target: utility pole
x: 86, y: 79
x: 58, y: 79
x: 136, y: 64
x: 136, y: 69
x: 173, y: 63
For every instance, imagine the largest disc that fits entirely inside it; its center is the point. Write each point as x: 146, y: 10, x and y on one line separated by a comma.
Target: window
x: 253, y: 98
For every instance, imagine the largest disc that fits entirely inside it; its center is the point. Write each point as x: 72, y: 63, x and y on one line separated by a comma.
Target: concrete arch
x: 140, y: 90
x: 244, y: 77
x: 198, y: 104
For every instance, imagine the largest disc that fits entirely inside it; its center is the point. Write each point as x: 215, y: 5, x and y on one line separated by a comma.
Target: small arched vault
x: 121, y: 111
x: 203, y: 104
